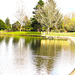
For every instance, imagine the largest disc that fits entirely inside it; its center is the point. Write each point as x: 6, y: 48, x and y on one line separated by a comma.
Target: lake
x: 36, y: 56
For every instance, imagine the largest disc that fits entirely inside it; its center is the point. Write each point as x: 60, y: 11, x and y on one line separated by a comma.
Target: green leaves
x: 2, y: 25
x: 48, y: 15
x: 16, y: 26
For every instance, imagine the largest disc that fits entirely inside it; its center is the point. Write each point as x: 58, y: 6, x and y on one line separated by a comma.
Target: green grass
x: 62, y: 34
x: 23, y: 33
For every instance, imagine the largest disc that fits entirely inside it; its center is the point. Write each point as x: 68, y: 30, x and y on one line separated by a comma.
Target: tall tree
x: 48, y: 15
x: 35, y: 24
x: 7, y: 22
x: 20, y: 14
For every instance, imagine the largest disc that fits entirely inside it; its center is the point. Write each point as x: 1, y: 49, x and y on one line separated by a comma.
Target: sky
x: 8, y: 8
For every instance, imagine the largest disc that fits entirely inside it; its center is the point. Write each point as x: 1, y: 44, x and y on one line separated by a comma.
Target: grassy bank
x: 23, y: 33
x: 62, y: 34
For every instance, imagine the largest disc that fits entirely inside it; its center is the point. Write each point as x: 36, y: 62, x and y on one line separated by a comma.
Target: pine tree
x: 7, y: 21
x: 35, y: 24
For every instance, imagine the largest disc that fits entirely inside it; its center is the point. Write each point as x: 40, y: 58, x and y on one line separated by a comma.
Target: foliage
x: 7, y: 22
x: 62, y: 30
x: 39, y: 4
x: 36, y: 26
x: 70, y: 26
x: 28, y: 26
x: 60, y: 23
x: 48, y: 15
x: 44, y: 28
x: 23, y: 28
x: 66, y: 20
x: 2, y: 25
x: 55, y: 30
x: 16, y: 26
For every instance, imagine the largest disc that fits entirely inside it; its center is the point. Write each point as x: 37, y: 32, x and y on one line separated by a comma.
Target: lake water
x: 36, y: 56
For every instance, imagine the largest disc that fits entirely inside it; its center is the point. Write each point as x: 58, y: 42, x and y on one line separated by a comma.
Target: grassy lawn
x: 62, y: 34
x: 23, y: 33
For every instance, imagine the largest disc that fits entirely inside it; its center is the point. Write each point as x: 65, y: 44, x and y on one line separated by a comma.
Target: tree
x: 40, y: 4
x: 7, y: 22
x: 16, y: 26
x: 48, y: 15
x: 28, y: 26
x: 60, y: 23
x: 66, y: 21
x: 2, y: 25
x: 71, y: 25
x: 20, y: 14
x: 35, y: 24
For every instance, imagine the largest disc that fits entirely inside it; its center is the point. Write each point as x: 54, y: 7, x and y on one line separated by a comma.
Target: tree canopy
x: 48, y: 15
x: 35, y: 24
x: 2, y: 25
x: 7, y: 21
x: 16, y: 26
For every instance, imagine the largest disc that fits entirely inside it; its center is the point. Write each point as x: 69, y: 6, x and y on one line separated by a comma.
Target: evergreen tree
x: 7, y: 21
x: 35, y: 24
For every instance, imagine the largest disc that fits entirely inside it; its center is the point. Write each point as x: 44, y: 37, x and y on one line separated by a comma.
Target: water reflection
x: 7, y: 40
x: 36, y: 56
x: 1, y: 38
x: 15, y: 40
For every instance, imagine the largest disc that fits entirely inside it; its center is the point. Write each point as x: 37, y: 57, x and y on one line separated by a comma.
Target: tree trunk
x: 20, y: 27
x: 48, y: 30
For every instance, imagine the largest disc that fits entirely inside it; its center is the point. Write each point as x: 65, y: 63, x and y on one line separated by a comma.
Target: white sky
x: 8, y: 8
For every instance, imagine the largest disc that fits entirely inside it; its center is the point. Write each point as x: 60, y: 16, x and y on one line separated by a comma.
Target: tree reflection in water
x: 36, y: 56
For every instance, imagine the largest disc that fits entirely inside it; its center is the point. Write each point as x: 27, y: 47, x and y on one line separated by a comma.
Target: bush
x: 55, y: 31
x: 62, y: 30
x: 2, y: 25
x: 16, y: 26
x: 70, y: 28
x: 28, y: 28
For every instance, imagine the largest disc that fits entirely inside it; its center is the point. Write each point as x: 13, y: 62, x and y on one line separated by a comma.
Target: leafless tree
x: 20, y: 13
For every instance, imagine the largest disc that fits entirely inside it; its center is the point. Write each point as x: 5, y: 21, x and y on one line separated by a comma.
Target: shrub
x: 16, y: 26
x: 2, y: 25
x: 62, y: 30
x: 55, y: 31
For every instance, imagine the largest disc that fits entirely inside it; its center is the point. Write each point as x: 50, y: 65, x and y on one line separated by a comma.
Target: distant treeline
x: 46, y: 17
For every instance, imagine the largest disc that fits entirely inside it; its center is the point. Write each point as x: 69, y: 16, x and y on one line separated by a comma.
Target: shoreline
x: 72, y: 39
